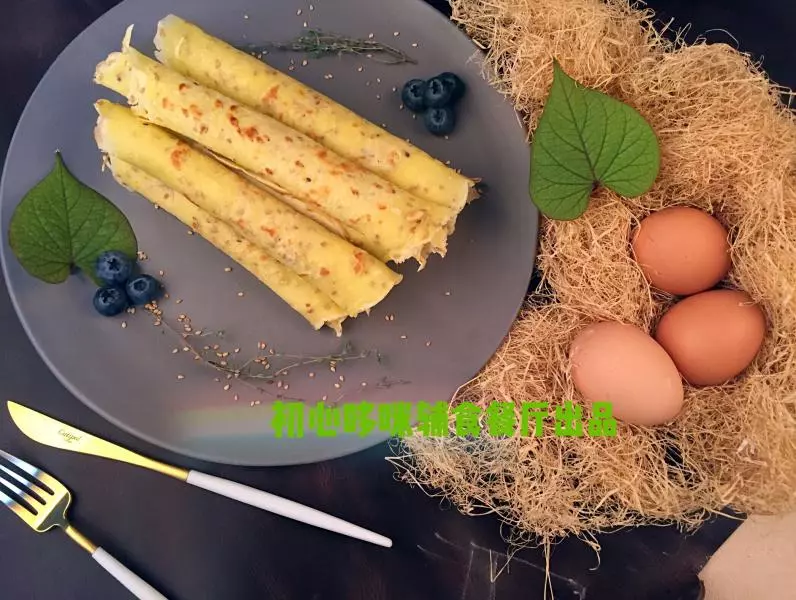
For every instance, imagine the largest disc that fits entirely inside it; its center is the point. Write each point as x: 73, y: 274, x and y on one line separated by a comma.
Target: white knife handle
x: 283, y: 507
x: 140, y: 588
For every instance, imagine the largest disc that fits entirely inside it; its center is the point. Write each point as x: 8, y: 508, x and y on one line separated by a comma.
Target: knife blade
x: 54, y: 433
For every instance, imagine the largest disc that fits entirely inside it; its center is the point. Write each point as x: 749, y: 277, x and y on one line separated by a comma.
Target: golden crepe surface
x: 216, y: 64
x: 303, y: 297
x: 387, y: 221
x: 351, y: 277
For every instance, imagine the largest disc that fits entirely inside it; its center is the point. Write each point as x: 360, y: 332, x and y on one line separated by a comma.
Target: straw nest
x: 728, y: 143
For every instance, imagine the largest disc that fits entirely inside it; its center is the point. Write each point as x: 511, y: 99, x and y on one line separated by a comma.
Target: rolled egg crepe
x: 303, y: 297
x: 352, y: 278
x: 214, y: 63
x: 387, y: 221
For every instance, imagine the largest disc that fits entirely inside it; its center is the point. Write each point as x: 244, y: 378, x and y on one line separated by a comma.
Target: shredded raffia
x: 728, y: 143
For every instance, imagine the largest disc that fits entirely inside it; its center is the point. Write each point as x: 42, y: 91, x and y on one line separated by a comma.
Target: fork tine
x: 22, y: 512
x: 40, y: 475
x: 20, y: 493
x: 36, y: 489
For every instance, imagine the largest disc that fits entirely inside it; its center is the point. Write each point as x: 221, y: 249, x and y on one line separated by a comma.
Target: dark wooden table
x: 195, y: 546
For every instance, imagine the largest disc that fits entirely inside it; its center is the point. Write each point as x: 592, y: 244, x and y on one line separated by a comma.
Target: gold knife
x: 50, y: 432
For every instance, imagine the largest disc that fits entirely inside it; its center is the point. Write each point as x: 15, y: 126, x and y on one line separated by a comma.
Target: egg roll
x: 214, y: 63
x: 350, y: 276
x: 383, y: 219
x: 303, y: 297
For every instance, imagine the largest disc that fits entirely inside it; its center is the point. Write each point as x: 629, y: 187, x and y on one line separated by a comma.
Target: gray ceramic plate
x: 448, y: 319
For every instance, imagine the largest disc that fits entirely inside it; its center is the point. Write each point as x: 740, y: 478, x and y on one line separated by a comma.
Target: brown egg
x: 682, y: 250
x: 713, y: 336
x: 621, y: 364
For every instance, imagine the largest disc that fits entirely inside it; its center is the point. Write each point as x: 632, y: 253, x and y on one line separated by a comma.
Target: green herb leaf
x: 585, y: 138
x: 61, y: 224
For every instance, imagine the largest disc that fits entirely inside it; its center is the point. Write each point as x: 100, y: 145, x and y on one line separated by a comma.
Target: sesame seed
x: 279, y: 383
x: 190, y: 232
x: 363, y: 384
x: 226, y: 388
x: 131, y: 310
x: 428, y: 344
x: 166, y: 295
x: 394, y: 89
x: 342, y: 378
x: 328, y: 76
x: 197, y: 357
x: 229, y: 376
x: 188, y: 329
x: 161, y: 272
x: 305, y: 24
x: 227, y: 269
x: 414, y: 44
x: 304, y: 63
x: 216, y: 379
x: 332, y: 368
x: 245, y: 16
x: 291, y: 68
x: 414, y: 116
x: 223, y: 363
x: 312, y: 7
x: 198, y: 332
x: 270, y: 351
x: 124, y: 324
x: 401, y: 107
x: 403, y: 337
x: 180, y: 377
x: 360, y: 68
x: 181, y: 317
x: 367, y: 83
x: 378, y: 79
x: 337, y: 385
x: 298, y: 12
x: 447, y: 162
x: 378, y: 97
x: 175, y: 351
x: 312, y: 375
x: 186, y: 349
x: 370, y: 36
x: 447, y: 293
x: 236, y: 350
x: 261, y: 346
x: 396, y: 33
x: 286, y: 386
x: 240, y: 294
x: 251, y: 403
x: 178, y: 301
x: 157, y: 323
x: 236, y: 397
x: 142, y: 255
x: 323, y: 398
x: 446, y: 137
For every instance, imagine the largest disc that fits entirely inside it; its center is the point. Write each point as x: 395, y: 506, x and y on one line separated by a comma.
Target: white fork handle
x: 140, y: 588
x: 283, y: 507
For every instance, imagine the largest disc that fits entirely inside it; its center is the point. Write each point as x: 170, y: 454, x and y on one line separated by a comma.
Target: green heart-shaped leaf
x: 585, y: 138
x: 62, y: 223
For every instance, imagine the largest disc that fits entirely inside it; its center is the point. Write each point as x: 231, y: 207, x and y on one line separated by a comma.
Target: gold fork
x: 42, y: 502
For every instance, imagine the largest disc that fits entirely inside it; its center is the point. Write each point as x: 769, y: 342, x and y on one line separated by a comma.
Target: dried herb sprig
x: 263, y: 368
x: 317, y: 43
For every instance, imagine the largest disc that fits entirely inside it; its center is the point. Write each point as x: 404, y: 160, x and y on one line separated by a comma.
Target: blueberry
x: 110, y: 300
x: 413, y: 95
x: 113, y: 267
x: 438, y: 93
x: 440, y: 121
x: 455, y: 83
x: 143, y: 289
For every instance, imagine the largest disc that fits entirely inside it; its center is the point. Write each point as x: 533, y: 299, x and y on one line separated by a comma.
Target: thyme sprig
x: 317, y: 43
